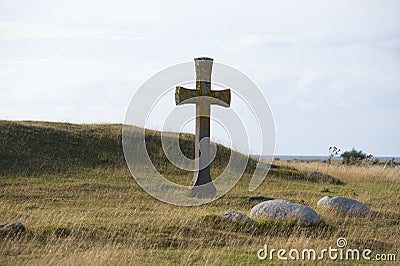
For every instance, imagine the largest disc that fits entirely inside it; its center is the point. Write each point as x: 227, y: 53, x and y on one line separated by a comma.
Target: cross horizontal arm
x: 222, y: 97
x: 184, y: 96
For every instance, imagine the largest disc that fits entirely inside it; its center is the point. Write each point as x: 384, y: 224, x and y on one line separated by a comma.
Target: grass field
x: 70, y: 188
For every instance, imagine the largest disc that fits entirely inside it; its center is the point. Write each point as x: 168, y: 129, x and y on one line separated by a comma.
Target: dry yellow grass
x: 100, y: 216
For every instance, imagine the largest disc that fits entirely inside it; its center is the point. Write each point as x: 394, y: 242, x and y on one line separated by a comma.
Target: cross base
x: 204, y: 191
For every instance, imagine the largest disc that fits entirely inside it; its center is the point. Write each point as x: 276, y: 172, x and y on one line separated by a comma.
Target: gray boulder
x: 344, y: 206
x: 235, y: 216
x: 284, y: 210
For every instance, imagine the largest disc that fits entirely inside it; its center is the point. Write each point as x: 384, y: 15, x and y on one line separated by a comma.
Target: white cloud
x: 248, y: 42
x: 390, y: 43
x: 355, y: 42
x: 25, y: 31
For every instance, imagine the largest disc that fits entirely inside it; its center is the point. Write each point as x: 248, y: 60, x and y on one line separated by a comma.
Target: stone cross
x: 203, y: 97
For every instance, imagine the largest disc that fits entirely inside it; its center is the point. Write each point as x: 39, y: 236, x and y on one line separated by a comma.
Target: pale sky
x: 330, y: 70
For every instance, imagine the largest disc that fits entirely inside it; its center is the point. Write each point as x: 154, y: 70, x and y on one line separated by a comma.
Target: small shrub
x: 353, y: 156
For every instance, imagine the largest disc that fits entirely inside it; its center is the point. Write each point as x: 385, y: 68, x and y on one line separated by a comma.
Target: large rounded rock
x: 284, y: 210
x: 344, y: 206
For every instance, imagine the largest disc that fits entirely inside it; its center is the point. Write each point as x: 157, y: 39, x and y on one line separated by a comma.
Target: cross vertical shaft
x: 202, y: 137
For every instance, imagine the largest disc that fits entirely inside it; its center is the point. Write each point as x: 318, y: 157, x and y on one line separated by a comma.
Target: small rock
x: 319, y: 175
x: 345, y: 206
x: 285, y: 210
x: 236, y: 216
x: 13, y: 227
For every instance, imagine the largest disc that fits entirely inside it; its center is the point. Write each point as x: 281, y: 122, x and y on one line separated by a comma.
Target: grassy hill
x: 32, y: 148
x: 70, y: 187
x: 28, y: 147
x: 40, y: 147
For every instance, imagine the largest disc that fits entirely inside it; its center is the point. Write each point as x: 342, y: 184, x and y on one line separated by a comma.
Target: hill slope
x: 28, y: 147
